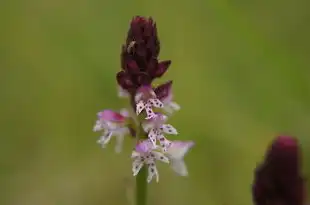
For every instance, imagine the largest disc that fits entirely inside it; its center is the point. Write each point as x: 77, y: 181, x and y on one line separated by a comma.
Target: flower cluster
x: 150, y: 106
x: 278, y: 180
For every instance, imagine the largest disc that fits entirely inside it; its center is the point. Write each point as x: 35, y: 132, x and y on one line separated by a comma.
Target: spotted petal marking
x: 105, y: 138
x: 152, y: 171
x: 140, y: 107
x: 169, y: 129
x: 163, y: 142
x: 136, y: 166
x: 152, y: 136
x: 161, y: 157
x: 149, y: 112
x: 156, y: 103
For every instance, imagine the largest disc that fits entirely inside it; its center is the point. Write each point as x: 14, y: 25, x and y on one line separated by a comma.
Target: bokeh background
x: 240, y: 71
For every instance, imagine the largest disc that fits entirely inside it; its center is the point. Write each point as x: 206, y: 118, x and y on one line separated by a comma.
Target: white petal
x: 124, y: 112
x: 103, y: 140
x: 136, y: 166
x: 138, y: 96
x: 119, y: 143
x: 153, y: 136
x: 174, y: 106
x: 179, y: 167
x: 147, y: 126
x: 168, y: 109
x: 178, y: 149
x: 139, y: 107
x: 156, y: 103
x: 152, y: 171
x: 169, y: 129
x: 149, y: 112
x: 98, y: 126
x: 135, y: 154
x: 122, y: 93
x: 161, y: 157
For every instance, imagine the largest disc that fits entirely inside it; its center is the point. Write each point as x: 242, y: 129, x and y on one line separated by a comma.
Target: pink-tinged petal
x: 155, y: 122
x: 156, y: 103
x: 169, y: 129
x: 162, y: 68
x: 153, y: 136
x: 124, y: 112
x: 144, y: 146
x: 178, y: 149
x: 109, y: 115
x: 163, y: 92
x: 179, y: 167
x: 140, y: 107
x: 144, y: 93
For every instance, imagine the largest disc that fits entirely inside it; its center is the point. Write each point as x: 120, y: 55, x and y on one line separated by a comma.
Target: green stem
x: 141, y: 187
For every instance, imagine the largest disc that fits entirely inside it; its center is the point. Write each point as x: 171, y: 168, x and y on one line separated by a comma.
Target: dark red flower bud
x: 162, y: 68
x: 124, y: 80
x: 139, y: 56
x: 278, y: 180
x: 142, y: 78
x: 164, y: 90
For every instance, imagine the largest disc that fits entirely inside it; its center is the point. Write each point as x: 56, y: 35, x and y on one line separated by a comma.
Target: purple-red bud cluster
x: 139, y: 56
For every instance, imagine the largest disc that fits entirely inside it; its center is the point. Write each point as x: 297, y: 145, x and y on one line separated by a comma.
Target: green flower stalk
x: 149, y: 109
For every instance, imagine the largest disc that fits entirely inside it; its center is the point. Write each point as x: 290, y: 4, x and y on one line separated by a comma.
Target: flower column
x: 140, y: 66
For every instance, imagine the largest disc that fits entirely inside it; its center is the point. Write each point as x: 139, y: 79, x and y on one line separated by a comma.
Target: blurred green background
x: 240, y: 71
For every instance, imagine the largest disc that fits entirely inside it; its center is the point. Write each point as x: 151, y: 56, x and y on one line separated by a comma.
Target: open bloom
x: 156, y: 128
x: 145, y: 100
x: 112, y: 124
x: 165, y: 95
x: 176, y: 153
x: 146, y: 154
x: 278, y: 180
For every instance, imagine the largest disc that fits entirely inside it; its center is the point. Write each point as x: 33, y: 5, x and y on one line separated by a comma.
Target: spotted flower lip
x: 145, y: 100
x: 146, y: 154
x: 176, y: 153
x: 156, y: 130
x: 164, y: 94
x: 279, y: 177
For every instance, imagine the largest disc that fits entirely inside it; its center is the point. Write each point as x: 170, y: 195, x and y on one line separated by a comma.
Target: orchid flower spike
x: 112, y: 124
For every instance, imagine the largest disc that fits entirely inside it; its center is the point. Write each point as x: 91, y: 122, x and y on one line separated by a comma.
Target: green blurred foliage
x: 240, y: 71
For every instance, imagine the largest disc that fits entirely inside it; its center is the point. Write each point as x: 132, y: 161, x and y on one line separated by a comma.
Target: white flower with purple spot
x: 145, y: 154
x: 112, y: 124
x: 145, y: 100
x: 156, y: 128
x: 176, y: 152
x: 165, y: 95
